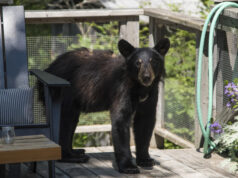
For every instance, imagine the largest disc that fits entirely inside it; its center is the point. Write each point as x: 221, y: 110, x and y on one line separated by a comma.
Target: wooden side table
x: 29, y: 149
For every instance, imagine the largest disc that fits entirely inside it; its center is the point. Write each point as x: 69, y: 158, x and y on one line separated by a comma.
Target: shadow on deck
x: 169, y: 163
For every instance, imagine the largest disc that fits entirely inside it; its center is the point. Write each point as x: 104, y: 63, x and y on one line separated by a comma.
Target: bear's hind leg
x: 69, y: 119
x: 78, y: 154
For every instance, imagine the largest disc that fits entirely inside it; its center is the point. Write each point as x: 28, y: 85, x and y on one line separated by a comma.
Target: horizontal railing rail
x: 73, y: 16
x: 174, y: 19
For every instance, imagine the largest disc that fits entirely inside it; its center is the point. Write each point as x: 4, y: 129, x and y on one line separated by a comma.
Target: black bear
x: 126, y: 86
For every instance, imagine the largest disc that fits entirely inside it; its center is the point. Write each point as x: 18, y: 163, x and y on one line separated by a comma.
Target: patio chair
x: 16, y: 97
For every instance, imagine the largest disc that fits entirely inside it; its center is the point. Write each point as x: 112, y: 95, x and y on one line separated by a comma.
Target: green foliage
x: 106, y: 37
x: 207, y: 7
x: 144, y: 33
x: 144, y: 3
x: 94, y: 118
x: 40, y: 54
x: 32, y: 4
x: 92, y: 139
x: 182, y: 54
x: 176, y: 7
x: 80, y: 140
x: 110, y: 28
x: 38, y: 30
x: 96, y: 42
x: 180, y: 84
x: 170, y: 145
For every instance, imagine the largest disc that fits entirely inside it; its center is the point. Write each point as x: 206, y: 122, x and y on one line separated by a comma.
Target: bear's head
x: 144, y: 64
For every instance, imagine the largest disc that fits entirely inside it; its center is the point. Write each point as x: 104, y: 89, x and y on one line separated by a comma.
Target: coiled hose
x: 208, y: 144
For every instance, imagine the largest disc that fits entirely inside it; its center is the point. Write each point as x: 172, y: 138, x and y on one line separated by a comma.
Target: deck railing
x: 129, y: 29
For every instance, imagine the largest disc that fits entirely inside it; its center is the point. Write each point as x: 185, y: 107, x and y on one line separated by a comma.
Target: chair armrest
x: 49, y: 79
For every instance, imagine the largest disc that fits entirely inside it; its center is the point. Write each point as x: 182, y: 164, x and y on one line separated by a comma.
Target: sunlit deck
x: 169, y: 163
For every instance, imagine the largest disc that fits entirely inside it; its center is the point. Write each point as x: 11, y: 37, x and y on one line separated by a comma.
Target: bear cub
x: 126, y: 85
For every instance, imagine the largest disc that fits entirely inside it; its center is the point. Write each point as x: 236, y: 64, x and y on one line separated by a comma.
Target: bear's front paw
x: 147, y: 163
x: 129, y: 168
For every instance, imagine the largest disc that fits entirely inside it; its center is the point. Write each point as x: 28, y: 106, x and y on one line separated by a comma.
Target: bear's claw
x: 130, y: 170
x: 146, y: 163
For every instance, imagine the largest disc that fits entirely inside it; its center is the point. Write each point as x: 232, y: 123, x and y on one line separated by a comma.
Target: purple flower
x: 228, y: 85
x: 226, y: 91
x: 228, y: 104
x: 231, y: 93
x: 233, y: 85
x: 216, y: 128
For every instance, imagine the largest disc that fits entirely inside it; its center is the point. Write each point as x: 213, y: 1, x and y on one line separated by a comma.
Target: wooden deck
x: 169, y: 163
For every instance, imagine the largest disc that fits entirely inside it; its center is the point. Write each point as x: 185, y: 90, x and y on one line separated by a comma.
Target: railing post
x: 204, y: 88
x: 129, y: 30
x: 122, y: 29
x: 156, y: 32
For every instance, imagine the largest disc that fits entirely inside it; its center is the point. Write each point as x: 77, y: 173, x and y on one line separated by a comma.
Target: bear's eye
x: 138, y: 63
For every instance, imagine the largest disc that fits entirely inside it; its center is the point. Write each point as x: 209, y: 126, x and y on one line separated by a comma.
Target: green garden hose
x: 208, y: 144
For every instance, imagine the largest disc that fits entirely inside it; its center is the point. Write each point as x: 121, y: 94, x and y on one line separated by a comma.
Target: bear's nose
x: 146, y: 77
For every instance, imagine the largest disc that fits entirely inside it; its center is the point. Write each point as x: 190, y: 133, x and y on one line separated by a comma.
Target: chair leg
x: 51, y: 166
x: 14, y: 170
x: 2, y: 170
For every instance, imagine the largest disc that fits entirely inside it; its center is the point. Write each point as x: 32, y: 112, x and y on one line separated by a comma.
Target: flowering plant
x: 227, y: 142
x: 216, y: 128
x: 231, y: 91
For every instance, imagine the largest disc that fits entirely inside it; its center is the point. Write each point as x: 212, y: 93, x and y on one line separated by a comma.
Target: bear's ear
x: 125, y: 48
x: 162, y: 46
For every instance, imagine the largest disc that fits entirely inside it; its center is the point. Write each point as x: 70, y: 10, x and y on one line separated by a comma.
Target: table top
x: 28, y: 149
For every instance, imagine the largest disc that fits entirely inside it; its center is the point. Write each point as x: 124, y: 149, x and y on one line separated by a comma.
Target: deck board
x: 196, y: 161
x: 177, y: 163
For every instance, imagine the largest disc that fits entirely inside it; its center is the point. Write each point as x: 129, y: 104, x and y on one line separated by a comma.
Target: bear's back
x: 95, y: 76
x: 82, y: 60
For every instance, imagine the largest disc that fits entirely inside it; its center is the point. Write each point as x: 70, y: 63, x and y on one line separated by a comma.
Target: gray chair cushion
x: 16, y: 106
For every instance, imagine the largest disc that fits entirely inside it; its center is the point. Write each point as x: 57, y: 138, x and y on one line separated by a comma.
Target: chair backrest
x: 13, y: 51
x: 16, y: 103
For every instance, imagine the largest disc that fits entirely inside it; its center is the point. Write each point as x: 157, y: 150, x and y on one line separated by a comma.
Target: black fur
x: 125, y: 86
